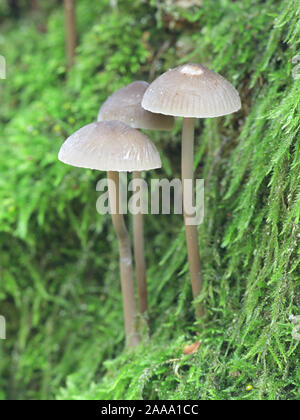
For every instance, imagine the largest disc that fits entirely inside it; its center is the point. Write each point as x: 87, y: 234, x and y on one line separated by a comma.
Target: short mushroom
x: 126, y: 105
x: 114, y: 147
x: 191, y: 91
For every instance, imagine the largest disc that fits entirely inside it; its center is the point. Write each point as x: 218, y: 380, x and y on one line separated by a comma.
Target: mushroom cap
x: 110, y: 146
x: 126, y: 105
x: 192, y: 91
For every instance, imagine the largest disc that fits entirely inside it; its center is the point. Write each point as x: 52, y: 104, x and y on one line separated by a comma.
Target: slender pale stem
x: 127, y: 283
x: 139, y: 253
x: 188, y: 134
x: 71, y: 33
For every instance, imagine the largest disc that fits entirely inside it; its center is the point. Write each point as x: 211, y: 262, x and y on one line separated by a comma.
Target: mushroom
x: 191, y: 91
x: 114, y: 147
x: 125, y: 105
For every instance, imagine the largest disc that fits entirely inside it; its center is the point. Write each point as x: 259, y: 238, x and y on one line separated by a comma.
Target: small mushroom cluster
x: 114, y: 144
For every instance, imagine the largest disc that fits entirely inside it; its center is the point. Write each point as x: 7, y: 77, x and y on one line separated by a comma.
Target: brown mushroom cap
x: 191, y: 91
x: 110, y: 146
x: 125, y: 105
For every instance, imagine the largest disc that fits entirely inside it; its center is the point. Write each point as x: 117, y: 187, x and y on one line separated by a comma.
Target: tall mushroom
x: 191, y: 91
x: 114, y: 147
x: 126, y: 105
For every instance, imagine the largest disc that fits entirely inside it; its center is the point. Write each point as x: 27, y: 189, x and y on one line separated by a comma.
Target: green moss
x: 59, y: 285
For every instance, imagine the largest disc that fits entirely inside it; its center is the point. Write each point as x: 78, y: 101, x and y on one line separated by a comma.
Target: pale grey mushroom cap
x: 192, y: 91
x: 110, y: 146
x: 126, y: 105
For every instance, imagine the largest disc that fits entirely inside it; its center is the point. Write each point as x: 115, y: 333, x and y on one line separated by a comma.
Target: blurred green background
x: 59, y: 275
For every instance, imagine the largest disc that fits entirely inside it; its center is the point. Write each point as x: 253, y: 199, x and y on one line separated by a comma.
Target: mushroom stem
x: 127, y: 283
x: 139, y: 253
x: 70, y: 17
x: 188, y: 133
